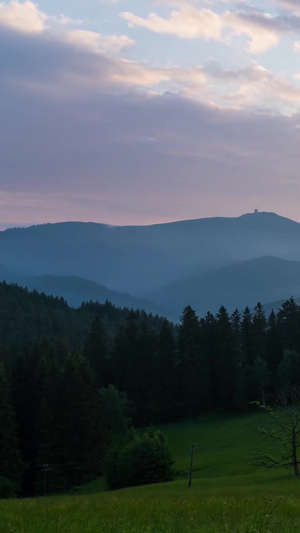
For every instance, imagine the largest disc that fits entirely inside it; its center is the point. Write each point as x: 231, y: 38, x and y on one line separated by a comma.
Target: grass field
x: 228, y: 493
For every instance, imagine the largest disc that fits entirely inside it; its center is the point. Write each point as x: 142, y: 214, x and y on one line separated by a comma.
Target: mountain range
x: 205, y: 263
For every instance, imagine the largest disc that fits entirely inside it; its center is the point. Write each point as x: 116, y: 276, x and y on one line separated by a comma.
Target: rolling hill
x: 265, y: 279
x: 76, y: 290
x: 203, y: 262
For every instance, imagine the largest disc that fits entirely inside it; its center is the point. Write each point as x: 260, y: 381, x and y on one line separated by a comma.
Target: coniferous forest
x: 72, y: 379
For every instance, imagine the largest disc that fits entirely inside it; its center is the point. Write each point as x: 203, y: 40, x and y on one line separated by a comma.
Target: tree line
x: 66, y: 393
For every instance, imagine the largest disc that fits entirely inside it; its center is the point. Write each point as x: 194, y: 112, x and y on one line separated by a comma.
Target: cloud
x: 81, y: 61
x: 255, y: 87
x: 108, y: 156
x: 119, y: 141
x: 97, y: 43
x: 188, y: 23
x: 66, y: 21
x: 290, y: 4
x: 84, y: 62
x: 259, y: 28
x: 24, y: 17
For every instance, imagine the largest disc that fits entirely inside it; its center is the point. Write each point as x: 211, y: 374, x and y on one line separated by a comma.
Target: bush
x: 144, y: 460
x: 8, y: 488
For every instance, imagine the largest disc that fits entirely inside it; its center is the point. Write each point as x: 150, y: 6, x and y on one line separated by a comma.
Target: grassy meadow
x: 227, y: 494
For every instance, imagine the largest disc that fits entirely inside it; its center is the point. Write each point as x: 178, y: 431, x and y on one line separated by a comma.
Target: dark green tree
x: 247, y: 337
x: 288, y: 370
x: 133, y: 363
x: 96, y: 350
x: 10, y: 459
x: 163, y: 391
x: 81, y: 435
x: 259, y: 380
x: 225, y: 373
x: 191, y: 369
x: 146, y: 459
x: 28, y: 385
x: 289, y: 320
x: 115, y: 408
x: 274, y: 347
x: 259, y: 331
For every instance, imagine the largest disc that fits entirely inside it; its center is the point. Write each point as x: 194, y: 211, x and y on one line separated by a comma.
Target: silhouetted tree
x: 10, y: 459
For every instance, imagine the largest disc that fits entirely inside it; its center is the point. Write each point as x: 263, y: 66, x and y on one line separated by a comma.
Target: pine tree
x: 226, y: 369
x: 289, y: 320
x: 163, y: 391
x: 274, y: 347
x: 247, y: 337
x: 27, y: 397
x: 192, y: 370
x: 81, y: 435
x: 97, y: 352
x: 10, y: 459
x: 259, y: 332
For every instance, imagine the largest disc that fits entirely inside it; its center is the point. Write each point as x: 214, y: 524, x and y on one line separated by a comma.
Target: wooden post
x: 193, y: 448
x: 46, y: 468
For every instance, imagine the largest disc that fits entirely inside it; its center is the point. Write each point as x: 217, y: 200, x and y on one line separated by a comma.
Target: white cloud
x: 97, y: 43
x: 75, y: 61
x: 135, y: 74
x: 24, y: 17
x: 91, y: 148
x: 255, y: 87
x: 290, y: 4
x: 67, y: 21
x: 262, y: 29
x: 259, y: 29
x: 297, y: 46
x: 86, y: 127
x: 188, y: 23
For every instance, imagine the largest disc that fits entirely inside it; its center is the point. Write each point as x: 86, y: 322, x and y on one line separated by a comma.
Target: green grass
x: 228, y: 493
x: 225, y: 445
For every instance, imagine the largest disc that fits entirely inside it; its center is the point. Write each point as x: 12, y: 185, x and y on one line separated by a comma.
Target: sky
x: 148, y: 111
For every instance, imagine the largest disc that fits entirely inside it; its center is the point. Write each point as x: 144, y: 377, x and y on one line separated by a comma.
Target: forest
x: 72, y: 379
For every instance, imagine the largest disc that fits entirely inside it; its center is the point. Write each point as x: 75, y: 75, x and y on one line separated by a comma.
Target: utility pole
x: 193, y: 448
x: 46, y: 468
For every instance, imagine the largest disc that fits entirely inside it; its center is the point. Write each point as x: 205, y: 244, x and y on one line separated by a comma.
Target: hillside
x: 201, y: 262
x: 57, y: 358
x: 264, y: 279
x: 227, y: 493
x: 26, y: 316
x: 76, y: 290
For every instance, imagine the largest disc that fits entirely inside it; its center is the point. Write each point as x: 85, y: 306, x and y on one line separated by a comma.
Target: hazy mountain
x: 77, y: 290
x: 264, y: 279
x: 196, y: 261
x: 135, y: 259
x: 275, y: 306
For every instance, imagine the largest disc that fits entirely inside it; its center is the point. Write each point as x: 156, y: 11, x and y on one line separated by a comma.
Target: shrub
x: 8, y: 488
x: 144, y: 460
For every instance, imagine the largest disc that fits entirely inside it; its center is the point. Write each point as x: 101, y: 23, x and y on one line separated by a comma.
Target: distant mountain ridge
x: 264, y: 279
x: 77, y: 290
x: 201, y: 262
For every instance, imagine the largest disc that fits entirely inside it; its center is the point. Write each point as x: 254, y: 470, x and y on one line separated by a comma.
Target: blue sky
x: 137, y: 112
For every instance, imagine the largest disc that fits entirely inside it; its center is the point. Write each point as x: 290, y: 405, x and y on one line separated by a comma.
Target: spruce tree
x: 226, y: 370
x: 10, y: 459
x: 164, y: 386
x: 289, y: 320
x: 81, y: 434
x: 259, y: 332
x: 192, y: 371
x: 97, y: 353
